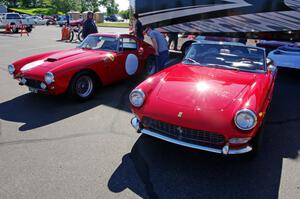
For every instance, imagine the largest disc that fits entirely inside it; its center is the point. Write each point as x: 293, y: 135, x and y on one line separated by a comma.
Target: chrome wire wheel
x: 84, y: 86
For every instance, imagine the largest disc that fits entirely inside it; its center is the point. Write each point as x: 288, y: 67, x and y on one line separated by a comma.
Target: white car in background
x: 38, y: 20
x: 15, y: 20
x: 286, y: 56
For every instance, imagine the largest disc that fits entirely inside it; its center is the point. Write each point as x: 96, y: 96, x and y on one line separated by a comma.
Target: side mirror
x: 270, y: 65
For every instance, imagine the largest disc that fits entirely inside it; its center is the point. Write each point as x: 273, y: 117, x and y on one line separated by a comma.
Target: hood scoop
x: 51, y: 59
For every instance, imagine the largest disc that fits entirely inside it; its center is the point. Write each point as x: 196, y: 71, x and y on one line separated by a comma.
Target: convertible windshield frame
x: 227, y: 44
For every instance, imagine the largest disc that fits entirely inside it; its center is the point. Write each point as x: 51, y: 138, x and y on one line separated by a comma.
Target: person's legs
x: 157, y: 63
x: 176, y: 43
x: 162, y: 59
x: 170, y: 42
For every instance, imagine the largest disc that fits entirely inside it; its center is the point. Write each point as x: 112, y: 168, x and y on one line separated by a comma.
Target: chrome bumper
x: 225, y: 150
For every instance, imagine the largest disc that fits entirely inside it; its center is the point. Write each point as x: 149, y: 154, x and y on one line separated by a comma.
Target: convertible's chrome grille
x: 33, y: 83
x: 183, y: 134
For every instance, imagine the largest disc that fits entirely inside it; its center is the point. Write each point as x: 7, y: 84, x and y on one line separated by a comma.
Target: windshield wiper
x: 191, y: 60
x: 222, y: 66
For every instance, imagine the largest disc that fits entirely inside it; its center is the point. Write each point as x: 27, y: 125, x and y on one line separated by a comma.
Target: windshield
x: 13, y: 16
x: 100, y: 43
x: 226, y: 56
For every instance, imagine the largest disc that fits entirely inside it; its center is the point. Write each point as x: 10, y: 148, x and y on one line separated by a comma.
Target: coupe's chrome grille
x: 183, y: 134
x: 33, y: 83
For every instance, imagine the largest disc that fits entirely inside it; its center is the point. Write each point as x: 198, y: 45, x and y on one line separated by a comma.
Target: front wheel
x: 256, y: 142
x: 82, y: 86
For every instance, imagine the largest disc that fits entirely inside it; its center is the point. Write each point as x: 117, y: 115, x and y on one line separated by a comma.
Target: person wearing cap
x: 160, y: 45
x: 138, y: 27
x: 89, y: 26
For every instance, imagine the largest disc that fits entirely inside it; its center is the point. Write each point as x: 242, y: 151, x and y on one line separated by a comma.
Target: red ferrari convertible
x: 215, y: 100
x: 100, y: 59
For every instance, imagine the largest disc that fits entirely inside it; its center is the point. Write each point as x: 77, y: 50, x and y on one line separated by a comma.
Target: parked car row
x: 215, y: 100
x: 29, y: 21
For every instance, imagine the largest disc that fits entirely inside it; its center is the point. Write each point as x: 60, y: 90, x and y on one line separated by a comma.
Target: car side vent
x: 51, y: 59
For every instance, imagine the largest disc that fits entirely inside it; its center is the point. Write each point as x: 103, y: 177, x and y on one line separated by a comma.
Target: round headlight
x: 137, y: 98
x: 245, y: 119
x: 49, y: 78
x: 11, y: 69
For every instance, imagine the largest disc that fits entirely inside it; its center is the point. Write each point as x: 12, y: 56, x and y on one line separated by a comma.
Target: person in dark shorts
x: 89, y: 26
x: 173, y: 37
x: 138, y: 27
x: 160, y: 45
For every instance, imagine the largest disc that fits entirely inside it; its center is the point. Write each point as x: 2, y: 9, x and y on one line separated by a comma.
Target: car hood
x: 62, y: 59
x: 203, y: 88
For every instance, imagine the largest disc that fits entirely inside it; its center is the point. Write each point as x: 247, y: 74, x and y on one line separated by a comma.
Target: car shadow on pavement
x: 157, y: 169
x: 15, y: 35
x: 35, y: 110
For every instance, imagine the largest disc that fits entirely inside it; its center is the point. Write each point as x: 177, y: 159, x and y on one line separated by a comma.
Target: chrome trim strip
x: 135, y: 123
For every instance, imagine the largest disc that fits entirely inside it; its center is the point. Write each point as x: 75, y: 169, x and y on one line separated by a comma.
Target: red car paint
x: 65, y: 64
x: 207, y: 98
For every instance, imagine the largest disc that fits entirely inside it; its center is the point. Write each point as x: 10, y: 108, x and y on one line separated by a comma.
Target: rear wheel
x: 82, y: 86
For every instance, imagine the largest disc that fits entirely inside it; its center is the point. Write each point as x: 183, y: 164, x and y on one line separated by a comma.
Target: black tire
x: 82, y: 86
x: 28, y: 29
x: 71, y: 36
x: 14, y: 28
x: 256, y: 142
x: 79, y: 36
x: 149, y: 67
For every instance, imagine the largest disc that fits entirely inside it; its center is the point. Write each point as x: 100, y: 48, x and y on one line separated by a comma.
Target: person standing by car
x: 67, y: 19
x: 138, y: 27
x: 89, y: 26
x: 173, y: 37
x: 160, y: 45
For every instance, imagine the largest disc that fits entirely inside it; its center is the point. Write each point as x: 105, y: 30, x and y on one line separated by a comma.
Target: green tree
x: 111, y: 6
x: 91, y: 5
x: 124, y: 14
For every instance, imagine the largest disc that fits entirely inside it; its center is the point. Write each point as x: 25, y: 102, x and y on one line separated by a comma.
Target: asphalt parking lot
x: 51, y: 147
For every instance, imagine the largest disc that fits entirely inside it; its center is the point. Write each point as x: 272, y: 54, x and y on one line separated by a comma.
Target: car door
x: 127, y: 61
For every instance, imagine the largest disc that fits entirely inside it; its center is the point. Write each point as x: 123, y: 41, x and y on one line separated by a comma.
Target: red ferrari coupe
x: 215, y: 100
x: 100, y: 59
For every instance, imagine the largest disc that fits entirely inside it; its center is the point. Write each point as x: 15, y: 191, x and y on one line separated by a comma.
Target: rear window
x: 128, y: 44
x: 13, y: 16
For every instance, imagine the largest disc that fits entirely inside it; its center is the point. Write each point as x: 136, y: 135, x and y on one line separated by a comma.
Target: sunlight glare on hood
x: 202, y: 86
